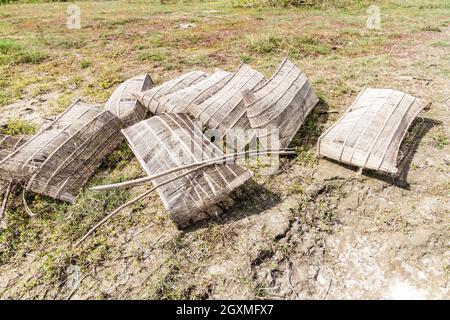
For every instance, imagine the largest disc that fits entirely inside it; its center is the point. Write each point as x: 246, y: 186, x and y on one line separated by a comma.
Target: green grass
x: 17, y: 127
x: 13, y: 53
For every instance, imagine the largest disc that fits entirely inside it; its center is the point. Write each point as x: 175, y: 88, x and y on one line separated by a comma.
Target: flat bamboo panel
x: 150, y: 98
x: 124, y: 105
x: 171, y: 140
x: 370, y: 132
x: 225, y: 111
x: 281, y: 105
x: 179, y: 101
x: 59, y: 160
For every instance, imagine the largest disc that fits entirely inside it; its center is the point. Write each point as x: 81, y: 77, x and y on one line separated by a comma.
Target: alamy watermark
x: 374, y: 18
x: 73, y: 17
x: 254, y: 147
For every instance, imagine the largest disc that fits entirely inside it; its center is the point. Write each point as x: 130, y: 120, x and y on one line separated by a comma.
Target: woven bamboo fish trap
x: 59, y: 160
x: 7, y: 145
x: 150, y: 98
x: 179, y: 101
x: 225, y: 111
x: 124, y: 105
x: 171, y: 140
x: 370, y: 132
x: 281, y: 104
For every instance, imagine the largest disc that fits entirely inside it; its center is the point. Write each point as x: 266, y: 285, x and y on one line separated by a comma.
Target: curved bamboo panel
x: 124, y: 105
x: 179, y: 101
x: 150, y: 98
x: 370, y: 132
x: 281, y: 104
x: 225, y: 110
x: 9, y: 143
x: 59, y: 160
x: 170, y: 140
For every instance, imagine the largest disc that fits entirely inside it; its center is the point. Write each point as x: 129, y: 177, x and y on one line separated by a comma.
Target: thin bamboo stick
x: 129, y: 203
x: 5, y: 200
x: 218, y: 160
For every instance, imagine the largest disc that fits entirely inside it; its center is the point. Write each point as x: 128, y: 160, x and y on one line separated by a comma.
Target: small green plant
x: 157, y: 56
x: 17, y: 127
x: 266, y: 45
x: 440, y: 141
x: 245, y: 58
x: 85, y: 64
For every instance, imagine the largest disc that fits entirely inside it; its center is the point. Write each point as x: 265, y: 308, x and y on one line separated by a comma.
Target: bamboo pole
x: 129, y: 203
x: 218, y: 160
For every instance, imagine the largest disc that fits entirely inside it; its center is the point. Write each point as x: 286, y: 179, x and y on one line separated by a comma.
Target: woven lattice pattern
x: 225, y: 111
x: 369, y: 134
x: 281, y: 105
x: 178, y: 102
x: 151, y: 98
x: 59, y: 160
x: 125, y: 105
x: 171, y: 140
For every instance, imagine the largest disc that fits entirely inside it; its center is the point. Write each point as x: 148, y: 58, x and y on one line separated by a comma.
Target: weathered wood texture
x: 281, y: 104
x: 125, y: 105
x: 179, y: 101
x: 170, y: 140
x: 225, y: 111
x: 150, y: 98
x: 369, y: 134
x: 59, y: 160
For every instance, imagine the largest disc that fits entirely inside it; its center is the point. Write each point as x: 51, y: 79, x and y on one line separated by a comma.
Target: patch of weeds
x: 310, y: 130
x: 245, y: 58
x: 67, y: 43
x: 266, y: 45
x: 17, y: 127
x: 440, y: 141
x: 9, y: 46
x: 85, y: 64
x: 296, y: 188
x: 12, y: 237
x: 76, y: 80
x: 13, y: 53
x: 109, y: 77
x: 305, y: 45
x: 153, y: 55
x: 32, y: 56
x: 119, y: 158
x: 53, y: 265
x: 305, y: 157
x: 431, y: 29
x: 61, y: 104
x: 197, y: 60
x: 440, y: 44
x: 155, y: 41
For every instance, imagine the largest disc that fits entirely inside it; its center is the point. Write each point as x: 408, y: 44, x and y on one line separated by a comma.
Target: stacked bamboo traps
x: 180, y: 131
